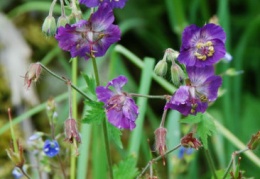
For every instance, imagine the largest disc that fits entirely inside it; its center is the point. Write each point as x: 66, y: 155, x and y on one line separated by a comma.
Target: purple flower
x: 112, y: 3
x: 201, y: 88
x: 51, y: 148
x: 17, y: 173
x: 202, y: 46
x: 90, y: 38
x: 121, y: 109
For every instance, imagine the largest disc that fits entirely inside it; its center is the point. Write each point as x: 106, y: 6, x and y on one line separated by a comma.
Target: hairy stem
x: 104, y: 123
x: 149, y: 96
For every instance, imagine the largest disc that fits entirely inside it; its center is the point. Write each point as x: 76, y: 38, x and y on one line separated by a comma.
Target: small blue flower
x: 51, y: 148
x: 184, y: 150
x: 17, y: 173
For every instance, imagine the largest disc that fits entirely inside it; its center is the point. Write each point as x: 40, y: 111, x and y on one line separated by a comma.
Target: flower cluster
x: 201, y: 48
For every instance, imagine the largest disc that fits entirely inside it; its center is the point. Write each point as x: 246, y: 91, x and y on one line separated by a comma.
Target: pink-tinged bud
x: 190, y: 141
x: 254, y: 141
x: 71, y: 131
x: 160, y: 140
x: 32, y: 74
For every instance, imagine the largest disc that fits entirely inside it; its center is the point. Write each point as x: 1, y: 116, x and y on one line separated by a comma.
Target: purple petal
x: 187, y: 57
x: 210, y: 87
x: 190, y: 37
x: 118, y: 83
x: 90, y: 3
x: 212, y: 31
x: 103, y: 93
x: 116, y: 3
x: 198, y: 75
x: 102, y: 18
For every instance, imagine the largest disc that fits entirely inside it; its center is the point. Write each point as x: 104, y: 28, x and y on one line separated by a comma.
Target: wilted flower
x: 51, y: 148
x: 121, y: 109
x: 17, y: 157
x: 112, y: 3
x: 71, y: 131
x: 90, y: 38
x: 202, y: 46
x: 201, y: 88
x: 254, y: 141
x: 33, y: 74
x: 160, y: 140
x: 190, y: 141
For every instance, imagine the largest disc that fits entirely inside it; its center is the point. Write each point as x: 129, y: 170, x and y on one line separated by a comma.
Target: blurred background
x: 148, y: 28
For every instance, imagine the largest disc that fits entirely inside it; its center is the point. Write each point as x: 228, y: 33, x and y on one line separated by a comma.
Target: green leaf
x: 126, y: 169
x: 206, y: 127
x: 91, y: 83
x: 95, y: 112
x: 115, y: 134
x: 192, y: 119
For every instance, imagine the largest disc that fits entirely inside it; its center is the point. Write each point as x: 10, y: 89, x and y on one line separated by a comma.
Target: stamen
x: 204, y: 50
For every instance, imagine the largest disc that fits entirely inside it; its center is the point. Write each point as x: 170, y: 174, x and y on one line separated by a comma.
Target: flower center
x: 204, y: 50
x: 116, y: 102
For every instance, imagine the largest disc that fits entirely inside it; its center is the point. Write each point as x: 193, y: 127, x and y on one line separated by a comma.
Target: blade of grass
x: 145, y: 83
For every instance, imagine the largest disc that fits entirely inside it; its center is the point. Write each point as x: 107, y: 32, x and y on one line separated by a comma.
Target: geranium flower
x: 200, y: 89
x: 121, y: 109
x: 90, y: 38
x: 202, y: 46
x: 51, y: 148
x: 112, y: 3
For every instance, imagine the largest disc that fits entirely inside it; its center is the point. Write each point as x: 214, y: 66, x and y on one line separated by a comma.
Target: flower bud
x: 161, y: 68
x: 254, y: 141
x: 32, y: 74
x: 171, y: 54
x: 190, y: 141
x: 177, y: 74
x: 49, y: 26
x: 160, y: 140
x: 62, y: 21
x: 71, y: 131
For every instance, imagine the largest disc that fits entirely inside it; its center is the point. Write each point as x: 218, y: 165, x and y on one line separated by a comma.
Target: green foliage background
x: 148, y: 28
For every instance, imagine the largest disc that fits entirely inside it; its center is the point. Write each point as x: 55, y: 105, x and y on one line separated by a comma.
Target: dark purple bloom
x: 112, y: 3
x: 121, y: 109
x: 90, y: 38
x: 51, y: 148
x: 202, y: 46
x: 201, y: 88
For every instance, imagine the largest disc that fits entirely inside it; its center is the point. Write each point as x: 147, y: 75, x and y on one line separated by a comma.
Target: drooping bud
x: 161, y: 68
x: 171, y: 54
x: 32, y: 74
x: 177, y: 74
x: 254, y: 141
x: 160, y: 140
x: 189, y: 141
x: 62, y: 21
x: 71, y: 131
x: 49, y: 26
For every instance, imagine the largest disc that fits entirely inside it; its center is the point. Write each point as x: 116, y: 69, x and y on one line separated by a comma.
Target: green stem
x: 12, y: 132
x: 211, y: 164
x: 232, y: 161
x: 52, y: 7
x: 74, y: 115
x: 149, y: 96
x: 73, y: 85
x: 156, y: 159
x: 104, y: 123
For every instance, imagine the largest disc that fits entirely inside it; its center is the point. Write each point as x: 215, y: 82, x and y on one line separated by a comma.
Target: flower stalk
x: 104, y: 123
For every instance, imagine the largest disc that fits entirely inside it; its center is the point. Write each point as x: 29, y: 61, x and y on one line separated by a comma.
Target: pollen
x: 204, y: 50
